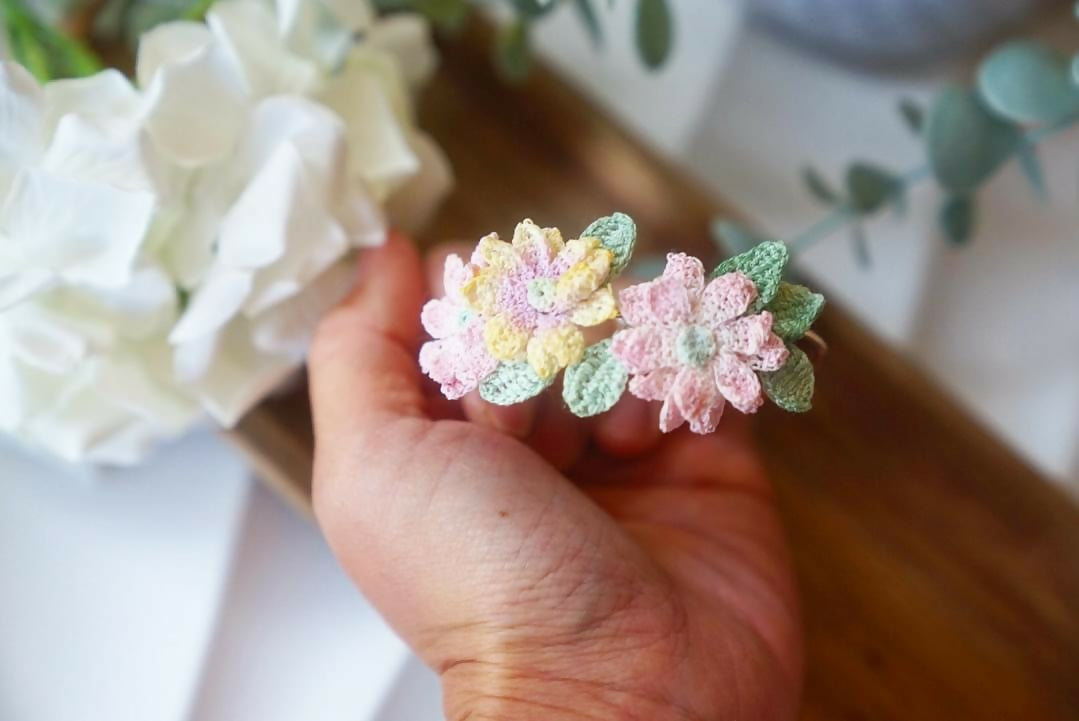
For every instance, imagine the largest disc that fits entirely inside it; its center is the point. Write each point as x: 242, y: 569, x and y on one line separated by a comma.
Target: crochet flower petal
x: 537, y: 246
x: 645, y: 348
x: 634, y: 306
x: 494, y: 253
x: 653, y: 386
x: 669, y: 300
x: 455, y: 273
x: 670, y: 416
x: 771, y: 356
x: 694, y: 391
x: 504, y: 340
x: 584, y: 277
x: 726, y: 297
x: 551, y: 350
x: 458, y: 363
x: 598, y: 308
x: 481, y: 293
x: 746, y: 335
x: 738, y: 383
x: 441, y: 317
x: 688, y: 270
x: 574, y: 252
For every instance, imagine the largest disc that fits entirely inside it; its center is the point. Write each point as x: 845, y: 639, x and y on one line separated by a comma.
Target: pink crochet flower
x: 692, y: 345
x: 457, y: 358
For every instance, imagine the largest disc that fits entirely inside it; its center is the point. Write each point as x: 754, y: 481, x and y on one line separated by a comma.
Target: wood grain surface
x: 939, y: 573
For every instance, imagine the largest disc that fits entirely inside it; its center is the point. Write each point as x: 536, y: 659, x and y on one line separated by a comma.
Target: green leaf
x: 791, y: 387
x: 957, y: 219
x: 913, y: 115
x: 46, y: 52
x: 870, y: 186
x: 860, y: 243
x: 447, y: 15
x: 966, y: 144
x: 1075, y: 69
x: 587, y: 12
x: 763, y: 265
x: 618, y: 234
x: 595, y: 383
x: 1032, y: 170
x: 733, y: 238
x: 532, y: 9
x: 819, y: 187
x: 794, y: 309
x: 654, y: 32
x: 513, y: 54
x: 1028, y: 83
x: 512, y: 383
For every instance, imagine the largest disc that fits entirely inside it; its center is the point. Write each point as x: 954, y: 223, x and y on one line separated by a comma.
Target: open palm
x: 545, y: 567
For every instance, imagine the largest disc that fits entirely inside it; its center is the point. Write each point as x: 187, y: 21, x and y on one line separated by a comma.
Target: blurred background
x: 233, y: 604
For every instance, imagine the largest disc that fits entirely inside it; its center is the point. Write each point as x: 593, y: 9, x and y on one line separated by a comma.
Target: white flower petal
x: 128, y: 380
x: 254, y: 232
x: 82, y: 232
x: 239, y: 376
x: 105, y: 97
x: 84, y: 150
x: 407, y: 37
x: 247, y: 30
x: 169, y: 43
x: 19, y: 286
x: 21, y: 117
x: 44, y: 341
x: 195, y: 104
x: 213, y: 304
x: 287, y: 327
x: 412, y: 206
x: 379, y: 152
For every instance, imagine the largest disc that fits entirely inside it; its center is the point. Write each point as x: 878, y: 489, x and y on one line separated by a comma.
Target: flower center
x: 696, y: 345
x: 541, y: 294
x: 464, y: 317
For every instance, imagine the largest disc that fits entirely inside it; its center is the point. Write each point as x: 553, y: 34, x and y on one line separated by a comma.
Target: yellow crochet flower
x: 536, y: 293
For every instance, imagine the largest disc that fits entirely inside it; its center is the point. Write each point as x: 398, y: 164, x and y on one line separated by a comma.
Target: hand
x: 546, y: 567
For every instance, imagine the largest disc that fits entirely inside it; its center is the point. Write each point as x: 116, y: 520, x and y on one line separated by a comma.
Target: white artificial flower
x: 167, y: 247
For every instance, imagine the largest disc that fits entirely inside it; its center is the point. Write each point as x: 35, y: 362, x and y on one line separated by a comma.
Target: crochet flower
x: 536, y: 293
x: 693, y: 345
x: 457, y: 358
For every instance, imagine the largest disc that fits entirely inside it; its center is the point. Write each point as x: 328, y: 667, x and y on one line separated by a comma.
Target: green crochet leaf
x: 512, y: 383
x: 595, y: 383
x: 791, y: 387
x: 618, y: 234
x: 763, y: 265
x: 794, y: 309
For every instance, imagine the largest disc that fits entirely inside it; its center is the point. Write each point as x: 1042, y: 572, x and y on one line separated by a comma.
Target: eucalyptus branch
x: 1024, y: 94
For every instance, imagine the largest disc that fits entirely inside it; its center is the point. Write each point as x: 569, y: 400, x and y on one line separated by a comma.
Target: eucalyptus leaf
x: 794, y: 309
x: 966, y: 144
x: 1032, y: 170
x: 595, y: 383
x: 733, y: 238
x: 513, y: 54
x: 1028, y: 83
x: 763, y: 264
x: 654, y: 32
x: 913, y: 115
x: 818, y: 187
x: 617, y: 233
x: 512, y: 383
x: 957, y: 219
x: 791, y: 387
x: 860, y: 244
x: 870, y: 186
x: 587, y: 12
